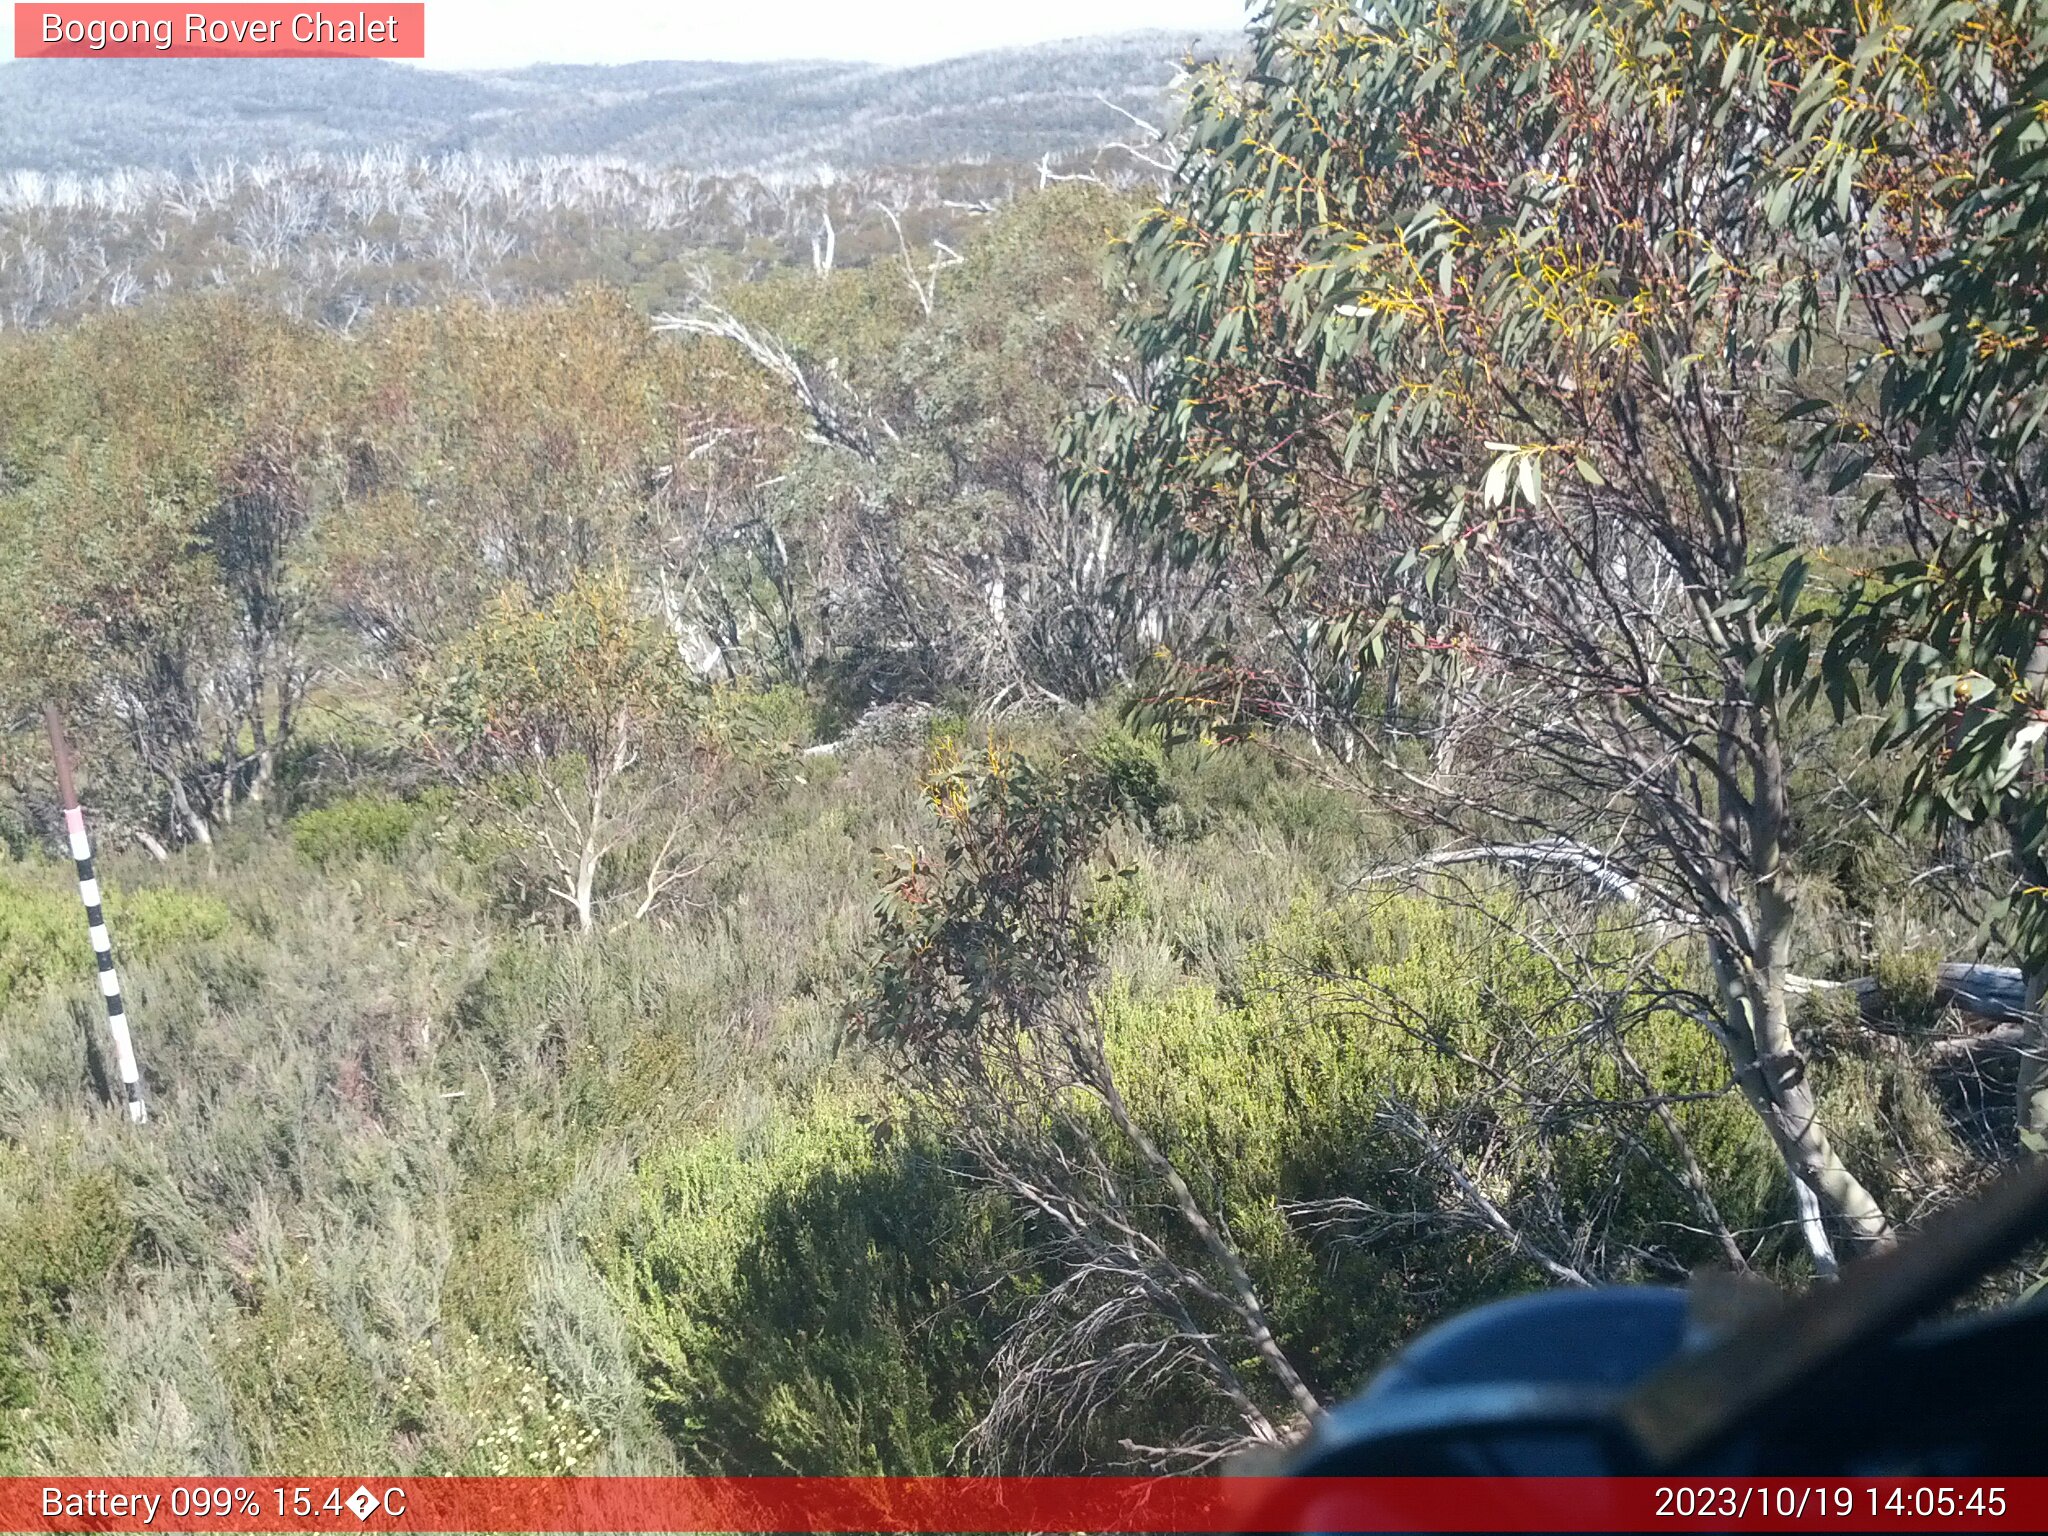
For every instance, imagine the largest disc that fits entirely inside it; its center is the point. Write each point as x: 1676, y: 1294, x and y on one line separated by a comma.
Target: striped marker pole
x: 96, y: 920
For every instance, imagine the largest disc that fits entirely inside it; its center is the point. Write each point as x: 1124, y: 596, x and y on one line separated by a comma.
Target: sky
x: 487, y: 34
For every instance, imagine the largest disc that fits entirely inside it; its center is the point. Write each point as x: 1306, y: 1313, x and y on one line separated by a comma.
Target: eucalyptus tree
x: 568, y: 724
x: 1944, y: 442
x: 1474, y: 329
x: 495, y: 447
x: 162, y: 474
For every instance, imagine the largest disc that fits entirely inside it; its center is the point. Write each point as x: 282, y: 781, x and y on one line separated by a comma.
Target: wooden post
x: 96, y: 921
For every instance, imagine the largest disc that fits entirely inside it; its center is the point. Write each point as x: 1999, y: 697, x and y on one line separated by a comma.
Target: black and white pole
x: 96, y: 920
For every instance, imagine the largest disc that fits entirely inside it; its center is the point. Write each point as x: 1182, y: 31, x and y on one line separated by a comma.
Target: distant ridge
x: 1020, y: 103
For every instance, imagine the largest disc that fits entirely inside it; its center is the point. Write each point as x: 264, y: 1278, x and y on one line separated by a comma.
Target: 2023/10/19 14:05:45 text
x: 223, y: 1501
x: 1828, y: 1501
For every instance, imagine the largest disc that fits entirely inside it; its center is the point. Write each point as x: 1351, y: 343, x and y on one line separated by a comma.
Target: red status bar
x: 1109, y: 1504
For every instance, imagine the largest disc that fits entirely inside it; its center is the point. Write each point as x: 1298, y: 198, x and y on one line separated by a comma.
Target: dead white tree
x: 837, y: 419
x: 924, y: 282
x: 567, y: 726
x: 824, y: 244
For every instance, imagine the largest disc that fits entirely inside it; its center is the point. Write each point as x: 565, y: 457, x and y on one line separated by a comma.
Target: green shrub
x: 41, y: 932
x: 1278, y: 1101
x: 769, y: 720
x: 61, y: 1233
x: 952, y: 725
x: 1906, y: 981
x: 812, y: 1304
x: 1241, y: 790
x: 371, y: 826
x: 159, y: 920
x: 1136, y: 770
x: 301, y: 1396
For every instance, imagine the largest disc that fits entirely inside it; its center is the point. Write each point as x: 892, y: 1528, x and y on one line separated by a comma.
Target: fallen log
x: 1994, y: 992
x: 1547, y: 853
x: 1998, y: 1038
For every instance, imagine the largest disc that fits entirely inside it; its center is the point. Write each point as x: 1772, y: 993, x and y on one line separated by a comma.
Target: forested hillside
x: 999, y: 817
x: 109, y: 115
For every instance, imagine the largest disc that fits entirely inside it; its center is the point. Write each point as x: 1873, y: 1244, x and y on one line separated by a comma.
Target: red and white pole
x: 96, y: 919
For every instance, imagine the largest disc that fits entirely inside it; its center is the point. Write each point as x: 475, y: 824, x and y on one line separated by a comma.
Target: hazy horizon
x: 487, y: 34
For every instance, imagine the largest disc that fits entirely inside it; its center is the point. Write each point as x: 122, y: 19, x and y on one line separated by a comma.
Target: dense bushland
x: 423, y: 1190
x: 995, y: 851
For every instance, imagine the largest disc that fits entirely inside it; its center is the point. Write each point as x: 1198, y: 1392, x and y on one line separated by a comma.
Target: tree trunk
x: 2032, y: 1088
x: 1390, y: 716
x: 1777, y: 1069
x: 2030, y: 868
x: 195, y: 824
x: 583, y: 891
x: 265, y: 754
x: 1772, y: 1076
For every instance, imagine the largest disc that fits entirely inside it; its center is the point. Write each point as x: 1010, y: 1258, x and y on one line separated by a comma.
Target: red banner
x: 376, y: 31
x: 1050, y: 1504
